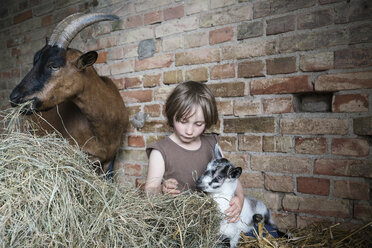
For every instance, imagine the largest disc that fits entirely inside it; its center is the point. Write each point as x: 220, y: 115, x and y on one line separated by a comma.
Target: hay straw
x: 50, y: 197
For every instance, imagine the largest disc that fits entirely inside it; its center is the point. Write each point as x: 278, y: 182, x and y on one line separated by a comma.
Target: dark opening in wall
x: 313, y: 102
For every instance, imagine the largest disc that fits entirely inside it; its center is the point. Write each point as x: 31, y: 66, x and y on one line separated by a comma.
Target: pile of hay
x: 322, y: 234
x: 50, y: 197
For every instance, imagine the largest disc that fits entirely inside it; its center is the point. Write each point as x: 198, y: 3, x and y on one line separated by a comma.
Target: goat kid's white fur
x: 220, y: 180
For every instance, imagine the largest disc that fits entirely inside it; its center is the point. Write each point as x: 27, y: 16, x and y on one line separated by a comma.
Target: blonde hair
x: 187, y: 95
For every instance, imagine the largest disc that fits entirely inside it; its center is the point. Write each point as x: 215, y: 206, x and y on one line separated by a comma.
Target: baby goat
x: 220, y: 180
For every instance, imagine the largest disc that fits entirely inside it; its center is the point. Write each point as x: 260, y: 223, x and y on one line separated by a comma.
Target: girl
x: 179, y: 159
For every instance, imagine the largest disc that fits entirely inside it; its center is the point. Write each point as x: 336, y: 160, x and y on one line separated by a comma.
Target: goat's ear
x: 217, y: 153
x: 85, y: 60
x: 235, y: 172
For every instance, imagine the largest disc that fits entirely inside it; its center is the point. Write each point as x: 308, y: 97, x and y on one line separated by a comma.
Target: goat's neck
x: 227, y: 190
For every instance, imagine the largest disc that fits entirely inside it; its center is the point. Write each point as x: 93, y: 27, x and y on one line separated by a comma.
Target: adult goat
x: 69, y: 94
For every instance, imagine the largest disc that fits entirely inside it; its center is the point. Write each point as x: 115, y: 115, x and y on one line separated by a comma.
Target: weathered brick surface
x: 251, y: 180
x: 236, y: 14
x: 282, y: 144
x: 279, y: 183
x: 315, y: 186
x: 315, y: 19
x: 343, y: 167
x: 295, y: 84
x: 317, y: 62
x: 250, y: 30
x: 196, y: 39
x: 222, y: 71
x: 268, y: 7
x: 159, y: 61
x: 325, y: 207
x: 344, y: 81
x: 350, y: 147
x: 249, y: 107
x: 311, y: 145
x: 137, y: 96
x: 281, y: 164
x: 351, y: 190
x: 176, y: 26
x: 221, y: 35
x: 174, y: 12
x: 249, y: 50
x: 197, y: 74
x: 350, y: 103
x: 352, y: 58
x: 314, y: 126
x: 200, y: 56
x: 281, y: 25
x: 228, y: 89
x: 250, y: 125
x: 363, y: 212
x: 363, y: 125
x: 281, y: 65
x: 228, y: 143
x: 251, y: 69
x: 250, y: 143
x: 278, y: 105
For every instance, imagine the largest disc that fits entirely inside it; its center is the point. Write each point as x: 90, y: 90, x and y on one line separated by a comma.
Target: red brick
x: 343, y: 167
x: 121, y: 67
x: 102, y: 57
x: 229, y: 89
x: 174, y: 12
x: 238, y: 159
x: 221, y: 35
x: 350, y: 103
x: 314, y: 19
x: 363, y: 125
x: 153, y: 17
x: 281, y: 164
x: 133, y: 170
x: 107, y: 42
x: 317, y: 62
x: 316, y: 206
x: 295, y: 84
x: 225, y: 107
x: 153, y: 110
x: 314, y: 126
x: 249, y: 50
x: 137, y: 96
x: 223, y: 17
x: 172, y: 77
x: 279, y: 183
x: 344, y: 81
x: 200, y: 56
x: 251, y: 180
x: 151, y: 80
x: 278, y: 105
x: 222, y: 71
x: 247, y: 107
x: 47, y: 20
x: 351, y: 190
x: 305, y: 221
x: 350, y: 147
x: 119, y: 82
x: 282, y: 144
x: 133, y: 82
x: 22, y: 17
x: 250, y: 143
x: 353, y: 58
x: 134, y: 21
x: 281, y: 25
x: 314, y: 186
x: 363, y: 212
x: 250, y: 125
x: 197, y: 74
x: 136, y: 141
x: 157, y: 61
x: 251, y: 69
x: 281, y: 65
x: 311, y: 145
x: 284, y: 220
x: 156, y: 127
x: 268, y: 7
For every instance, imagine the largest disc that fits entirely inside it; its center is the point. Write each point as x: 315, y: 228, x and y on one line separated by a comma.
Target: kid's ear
x: 235, y: 173
x: 85, y: 60
x: 217, y: 153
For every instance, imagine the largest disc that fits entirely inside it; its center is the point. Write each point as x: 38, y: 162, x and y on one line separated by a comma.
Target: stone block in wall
x: 350, y: 147
x: 281, y: 85
x: 361, y: 33
x: 344, y: 81
x: 317, y: 61
x: 356, y: 10
x: 196, y: 39
x: 249, y: 50
x: 269, y: 7
x: 248, y: 30
x: 281, y: 164
x: 250, y: 69
x: 281, y: 65
x: 281, y: 25
x: 350, y: 103
x: 279, y: 183
x: 311, y: 145
x: 314, y: 186
x: 250, y: 125
x: 317, y: 206
x: 197, y: 74
x: 313, y: 126
x: 351, y: 190
x: 282, y: 144
x: 233, y: 15
x: 134, y: 21
x: 196, y: 6
x: 343, y: 167
x: 172, y: 43
x: 353, y: 58
x: 219, y: 4
x: 363, y: 125
x: 278, y: 105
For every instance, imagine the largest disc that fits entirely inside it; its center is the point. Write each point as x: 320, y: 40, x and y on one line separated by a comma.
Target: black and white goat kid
x: 220, y: 180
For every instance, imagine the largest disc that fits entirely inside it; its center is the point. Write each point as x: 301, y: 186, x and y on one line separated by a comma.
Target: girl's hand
x: 170, y: 187
x: 233, y: 212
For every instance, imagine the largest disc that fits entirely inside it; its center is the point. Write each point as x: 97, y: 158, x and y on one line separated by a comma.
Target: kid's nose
x: 189, y: 129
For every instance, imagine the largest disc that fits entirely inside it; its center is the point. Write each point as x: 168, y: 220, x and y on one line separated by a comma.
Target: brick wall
x: 293, y: 81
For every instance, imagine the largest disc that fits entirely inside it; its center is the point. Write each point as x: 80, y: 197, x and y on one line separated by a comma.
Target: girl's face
x: 190, y: 127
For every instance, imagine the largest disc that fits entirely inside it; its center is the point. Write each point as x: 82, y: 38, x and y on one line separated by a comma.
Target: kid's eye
x: 199, y: 124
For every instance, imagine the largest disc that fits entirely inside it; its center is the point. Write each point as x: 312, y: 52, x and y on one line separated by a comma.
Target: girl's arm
x: 155, y: 173
x: 236, y: 205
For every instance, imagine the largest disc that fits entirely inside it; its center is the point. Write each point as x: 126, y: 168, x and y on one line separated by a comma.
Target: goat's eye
x: 218, y: 177
x: 53, y: 67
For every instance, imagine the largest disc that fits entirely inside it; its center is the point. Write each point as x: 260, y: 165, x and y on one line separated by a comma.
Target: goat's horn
x: 61, y: 26
x: 78, y: 23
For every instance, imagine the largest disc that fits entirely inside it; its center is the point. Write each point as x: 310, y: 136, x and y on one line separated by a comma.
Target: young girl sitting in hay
x: 179, y: 159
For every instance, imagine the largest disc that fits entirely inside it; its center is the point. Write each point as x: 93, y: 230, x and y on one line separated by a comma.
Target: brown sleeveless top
x: 184, y: 165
